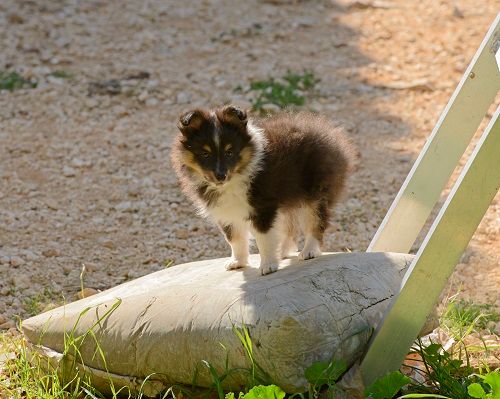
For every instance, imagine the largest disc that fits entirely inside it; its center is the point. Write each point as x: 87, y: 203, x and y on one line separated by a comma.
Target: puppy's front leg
x: 237, y: 237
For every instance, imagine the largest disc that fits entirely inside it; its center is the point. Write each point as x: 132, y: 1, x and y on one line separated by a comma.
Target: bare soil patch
x: 85, y: 176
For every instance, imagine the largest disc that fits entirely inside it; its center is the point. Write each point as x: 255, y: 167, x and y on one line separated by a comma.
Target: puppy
x: 271, y: 178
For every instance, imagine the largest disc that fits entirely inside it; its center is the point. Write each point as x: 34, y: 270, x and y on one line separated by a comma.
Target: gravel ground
x: 85, y: 176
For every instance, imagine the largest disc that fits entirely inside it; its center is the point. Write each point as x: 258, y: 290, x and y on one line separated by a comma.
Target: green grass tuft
x: 62, y: 74
x: 26, y: 374
x: 291, y: 90
x: 42, y: 301
x: 463, y: 317
x: 12, y: 81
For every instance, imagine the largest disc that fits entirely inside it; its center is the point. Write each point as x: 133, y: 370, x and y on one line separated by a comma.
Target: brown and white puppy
x: 270, y: 178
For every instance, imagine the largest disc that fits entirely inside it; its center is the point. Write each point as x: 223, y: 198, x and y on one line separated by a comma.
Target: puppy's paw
x: 233, y: 264
x: 288, y: 254
x: 288, y: 250
x: 268, y: 267
x: 309, y: 253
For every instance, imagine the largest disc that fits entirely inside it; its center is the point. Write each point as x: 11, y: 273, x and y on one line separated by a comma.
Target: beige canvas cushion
x: 167, y: 322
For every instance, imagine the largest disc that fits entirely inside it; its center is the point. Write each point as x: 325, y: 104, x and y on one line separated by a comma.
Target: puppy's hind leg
x: 289, y: 243
x: 288, y: 247
x: 314, y: 222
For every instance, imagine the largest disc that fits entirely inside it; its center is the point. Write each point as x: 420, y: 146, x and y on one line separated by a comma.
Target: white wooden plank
x: 441, y: 250
x: 442, y: 151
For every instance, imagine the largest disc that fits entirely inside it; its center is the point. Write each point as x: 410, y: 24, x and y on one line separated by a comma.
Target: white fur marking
x: 268, y: 244
x: 217, y: 139
x: 288, y: 247
x: 217, y: 132
x: 311, y: 249
x: 259, y: 141
x: 239, y: 248
x: 232, y: 206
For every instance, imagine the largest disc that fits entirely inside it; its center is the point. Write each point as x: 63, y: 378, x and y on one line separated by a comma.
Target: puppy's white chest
x: 232, y: 205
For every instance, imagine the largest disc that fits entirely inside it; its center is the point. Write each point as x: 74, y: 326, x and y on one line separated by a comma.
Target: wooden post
x: 441, y: 250
x: 442, y: 151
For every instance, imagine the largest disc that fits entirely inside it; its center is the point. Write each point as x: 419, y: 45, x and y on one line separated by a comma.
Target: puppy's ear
x: 233, y: 115
x: 191, y: 121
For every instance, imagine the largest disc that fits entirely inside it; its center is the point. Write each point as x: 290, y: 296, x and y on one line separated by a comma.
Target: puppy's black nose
x: 220, y: 176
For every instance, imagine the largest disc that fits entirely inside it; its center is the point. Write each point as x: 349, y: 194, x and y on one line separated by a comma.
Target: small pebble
x: 124, y: 206
x: 69, y: 171
x: 85, y: 293
x: 108, y: 244
x: 51, y: 204
x: 16, y: 261
x: 21, y: 281
x: 79, y: 163
x: 182, y: 234
x: 50, y: 253
x: 67, y: 269
x: 183, y: 97
x: 151, y: 102
x: 30, y: 255
x: 7, y: 325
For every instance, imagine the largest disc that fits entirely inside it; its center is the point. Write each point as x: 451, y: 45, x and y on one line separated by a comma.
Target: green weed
x: 26, y: 375
x: 218, y: 379
x: 387, y: 386
x: 445, y: 377
x: 322, y: 374
x: 30, y: 377
x: 258, y: 375
x: 462, y: 317
x: 12, y: 81
x: 41, y: 301
x: 82, y: 276
x: 291, y: 90
x: 488, y: 388
x: 260, y: 392
x: 62, y: 74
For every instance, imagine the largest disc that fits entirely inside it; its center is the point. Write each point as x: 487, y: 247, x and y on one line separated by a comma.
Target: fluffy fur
x: 271, y: 178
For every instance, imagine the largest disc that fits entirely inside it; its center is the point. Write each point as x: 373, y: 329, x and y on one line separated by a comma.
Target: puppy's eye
x: 205, y: 154
x: 229, y: 153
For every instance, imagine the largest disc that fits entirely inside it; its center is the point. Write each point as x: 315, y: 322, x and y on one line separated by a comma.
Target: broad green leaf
x: 493, y: 379
x: 423, y: 395
x: 387, y: 386
x: 336, y: 369
x: 230, y: 395
x: 315, y: 372
x: 476, y: 390
x: 265, y: 392
x: 433, y: 349
x: 322, y: 373
x: 456, y: 363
